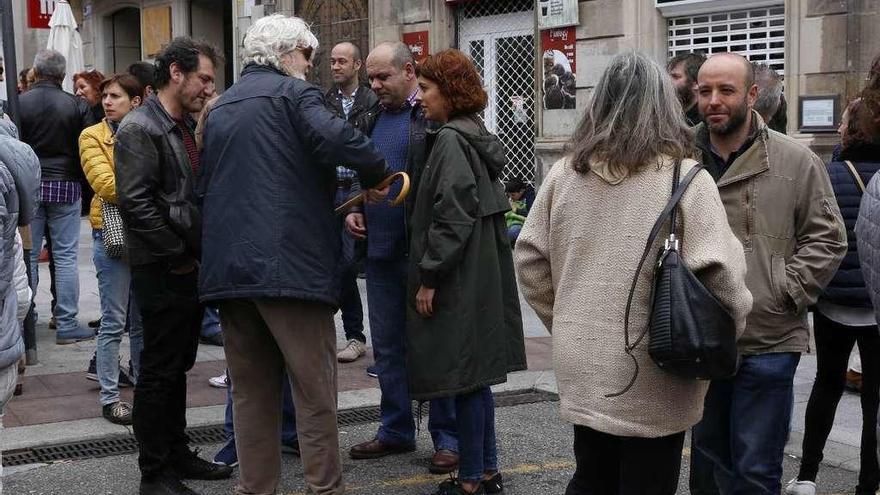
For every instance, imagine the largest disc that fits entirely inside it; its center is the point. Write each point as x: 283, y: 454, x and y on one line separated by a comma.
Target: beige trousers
x: 262, y: 338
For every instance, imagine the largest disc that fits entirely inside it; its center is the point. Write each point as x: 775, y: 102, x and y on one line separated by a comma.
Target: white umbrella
x: 65, y: 39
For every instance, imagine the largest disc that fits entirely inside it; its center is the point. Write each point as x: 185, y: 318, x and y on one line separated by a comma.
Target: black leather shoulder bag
x: 690, y: 333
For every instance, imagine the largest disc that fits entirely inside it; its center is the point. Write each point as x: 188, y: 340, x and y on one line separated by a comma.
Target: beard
x: 685, y: 96
x: 735, y: 120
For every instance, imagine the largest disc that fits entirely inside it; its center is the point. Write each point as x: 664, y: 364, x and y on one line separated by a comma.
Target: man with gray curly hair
x: 271, y: 248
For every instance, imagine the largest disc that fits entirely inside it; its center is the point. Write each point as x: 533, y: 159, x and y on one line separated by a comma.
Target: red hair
x: 458, y: 81
x: 92, y: 77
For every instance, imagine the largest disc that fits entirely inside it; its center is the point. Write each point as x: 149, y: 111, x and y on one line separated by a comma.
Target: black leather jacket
x: 156, y: 188
x: 366, y: 104
x: 51, y: 122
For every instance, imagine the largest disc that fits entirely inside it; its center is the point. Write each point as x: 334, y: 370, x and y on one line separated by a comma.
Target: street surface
x: 534, y: 451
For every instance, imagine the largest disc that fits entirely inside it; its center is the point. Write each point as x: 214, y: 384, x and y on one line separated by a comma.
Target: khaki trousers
x: 262, y: 337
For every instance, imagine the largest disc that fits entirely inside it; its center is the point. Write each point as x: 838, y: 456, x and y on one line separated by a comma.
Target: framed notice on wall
x: 818, y: 113
x: 556, y: 13
x: 156, y: 29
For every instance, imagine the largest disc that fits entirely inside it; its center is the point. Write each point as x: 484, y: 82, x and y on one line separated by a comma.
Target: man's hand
x: 425, y: 301
x: 376, y: 195
x: 354, y: 223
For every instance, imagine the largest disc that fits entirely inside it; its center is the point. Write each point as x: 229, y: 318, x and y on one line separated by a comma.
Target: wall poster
x: 560, y: 68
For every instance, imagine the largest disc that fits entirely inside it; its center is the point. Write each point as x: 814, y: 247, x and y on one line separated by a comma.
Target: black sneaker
x: 164, y: 485
x: 494, y: 484
x: 453, y: 487
x: 192, y: 467
x: 95, y: 323
x: 216, y: 339
x: 117, y: 412
x: 92, y: 373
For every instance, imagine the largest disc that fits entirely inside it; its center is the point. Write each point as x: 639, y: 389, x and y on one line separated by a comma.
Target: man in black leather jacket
x: 51, y: 122
x: 156, y: 166
x: 349, y: 100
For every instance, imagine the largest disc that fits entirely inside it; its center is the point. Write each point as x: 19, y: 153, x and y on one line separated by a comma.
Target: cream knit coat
x: 575, y: 259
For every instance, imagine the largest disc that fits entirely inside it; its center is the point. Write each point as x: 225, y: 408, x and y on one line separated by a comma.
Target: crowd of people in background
x: 196, y: 239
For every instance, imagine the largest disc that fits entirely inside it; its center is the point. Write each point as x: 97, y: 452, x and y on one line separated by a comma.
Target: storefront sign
x: 39, y: 12
x: 560, y: 68
x: 557, y: 13
x: 818, y: 113
x: 418, y: 44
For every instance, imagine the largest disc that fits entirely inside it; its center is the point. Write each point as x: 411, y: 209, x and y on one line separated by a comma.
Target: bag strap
x: 667, y: 213
x: 856, y: 176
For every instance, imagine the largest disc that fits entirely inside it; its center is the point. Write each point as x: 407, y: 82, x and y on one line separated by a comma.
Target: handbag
x: 690, y: 333
x: 112, y: 232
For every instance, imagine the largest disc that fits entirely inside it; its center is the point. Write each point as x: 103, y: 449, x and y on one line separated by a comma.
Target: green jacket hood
x: 487, y: 145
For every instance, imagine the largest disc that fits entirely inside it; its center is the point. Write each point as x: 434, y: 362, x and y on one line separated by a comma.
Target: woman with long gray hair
x: 576, y: 258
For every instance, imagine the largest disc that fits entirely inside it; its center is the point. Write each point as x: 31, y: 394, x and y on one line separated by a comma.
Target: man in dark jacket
x: 349, y: 100
x: 156, y: 166
x: 398, y: 132
x: 51, y: 122
x: 271, y: 249
x: 683, y: 70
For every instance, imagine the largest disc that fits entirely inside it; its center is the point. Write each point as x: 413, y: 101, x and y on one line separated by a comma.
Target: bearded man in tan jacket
x: 781, y: 206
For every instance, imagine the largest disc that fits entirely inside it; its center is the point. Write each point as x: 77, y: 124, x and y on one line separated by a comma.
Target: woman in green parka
x: 464, y: 328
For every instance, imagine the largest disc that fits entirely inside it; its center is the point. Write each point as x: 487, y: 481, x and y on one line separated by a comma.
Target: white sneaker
x: 352, y: 351
x: 218, y: 381
x: 796, y: 487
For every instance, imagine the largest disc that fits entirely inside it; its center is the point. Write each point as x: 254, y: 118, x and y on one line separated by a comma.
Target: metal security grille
x: 499, y: 37
x: 757, y: 34
x: 335, y: 22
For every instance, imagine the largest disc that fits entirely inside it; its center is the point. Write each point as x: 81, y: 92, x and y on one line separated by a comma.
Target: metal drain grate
x: 204, y: 435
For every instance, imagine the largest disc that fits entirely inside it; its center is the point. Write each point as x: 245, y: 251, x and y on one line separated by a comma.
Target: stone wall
x: 829, y: 48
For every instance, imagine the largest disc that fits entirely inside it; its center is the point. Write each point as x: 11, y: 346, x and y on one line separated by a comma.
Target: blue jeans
x: 386, y: 298
x: 350, y: 299
x: 114, y: 290
x: 513, y: 233
x: 288, y: 414
x: 210, y: 322
x: 746, y: 423
x: 475, y: 414
x: 63, y: 221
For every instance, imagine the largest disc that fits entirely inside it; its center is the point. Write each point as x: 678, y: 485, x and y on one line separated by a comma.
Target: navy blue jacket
x: 271, y: 149
x: 847, y: 288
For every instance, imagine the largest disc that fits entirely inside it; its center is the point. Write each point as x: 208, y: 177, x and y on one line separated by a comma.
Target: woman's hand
x: 425, y: 301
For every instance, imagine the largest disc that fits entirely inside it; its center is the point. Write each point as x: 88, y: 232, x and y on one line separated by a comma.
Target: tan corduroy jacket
x: 575, y: 258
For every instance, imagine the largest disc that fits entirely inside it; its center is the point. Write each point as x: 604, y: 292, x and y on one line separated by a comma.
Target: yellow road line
x: 425, y: 479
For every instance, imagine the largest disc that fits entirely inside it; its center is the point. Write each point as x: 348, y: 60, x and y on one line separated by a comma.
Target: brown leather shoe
x: 854, y: 381
x: 375, y: 449
x: 444, y: 461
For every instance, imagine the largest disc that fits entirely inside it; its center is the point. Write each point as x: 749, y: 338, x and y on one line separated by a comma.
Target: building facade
x: 822, y: 48
x: 539, y: 81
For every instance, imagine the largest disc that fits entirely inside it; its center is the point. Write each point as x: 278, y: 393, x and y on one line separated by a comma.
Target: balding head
x: 345, y: 64
x: 392, y: 72
x: 394, y: 52
x: 731, y: 63
x: 726, y: 93
x: 348, y: 49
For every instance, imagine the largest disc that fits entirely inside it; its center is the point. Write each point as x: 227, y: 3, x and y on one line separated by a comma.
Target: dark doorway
x: 125, y: 39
